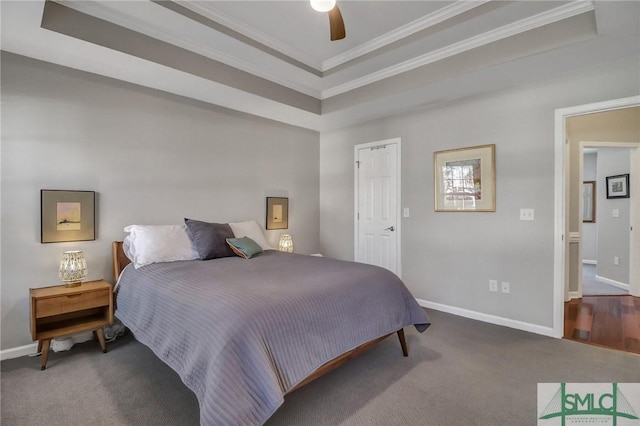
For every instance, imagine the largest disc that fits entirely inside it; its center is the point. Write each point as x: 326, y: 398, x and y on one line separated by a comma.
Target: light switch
x: 527, y: 214
x: 406, y: 212
x: 615, y: 212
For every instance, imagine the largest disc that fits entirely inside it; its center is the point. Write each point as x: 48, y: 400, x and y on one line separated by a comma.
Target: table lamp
x: 73, y: 268
x: 286, y: 243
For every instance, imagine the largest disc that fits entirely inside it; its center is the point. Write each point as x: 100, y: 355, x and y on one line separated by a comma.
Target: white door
x: 377, y: 221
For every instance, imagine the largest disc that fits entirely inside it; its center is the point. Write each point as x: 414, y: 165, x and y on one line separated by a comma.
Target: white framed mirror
x: 589, y: 201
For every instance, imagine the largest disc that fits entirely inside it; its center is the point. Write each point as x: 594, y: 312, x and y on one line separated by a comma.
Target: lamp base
x: 74, y: 284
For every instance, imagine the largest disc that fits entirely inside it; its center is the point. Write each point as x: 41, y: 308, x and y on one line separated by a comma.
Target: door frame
x: 398, y: 234
x: 561, y: 234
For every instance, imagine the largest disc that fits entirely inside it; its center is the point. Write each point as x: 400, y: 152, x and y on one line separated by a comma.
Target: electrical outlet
x: 616, y: 260
x: 506, y: 287
x: 493, y: 286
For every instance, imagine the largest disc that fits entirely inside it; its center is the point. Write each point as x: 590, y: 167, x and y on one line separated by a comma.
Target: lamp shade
x: 322, y: 5
x: 286, y: 243
x: 73, y: 268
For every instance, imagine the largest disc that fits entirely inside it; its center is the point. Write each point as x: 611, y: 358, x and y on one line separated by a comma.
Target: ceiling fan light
x: 322, y: 5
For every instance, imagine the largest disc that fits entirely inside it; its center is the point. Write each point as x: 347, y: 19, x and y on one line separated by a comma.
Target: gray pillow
x: 210, y: 239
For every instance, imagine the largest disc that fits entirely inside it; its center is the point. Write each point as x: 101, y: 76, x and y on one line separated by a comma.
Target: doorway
x: 605, y: 227
x: 565, y: 259
x: 377, y: 239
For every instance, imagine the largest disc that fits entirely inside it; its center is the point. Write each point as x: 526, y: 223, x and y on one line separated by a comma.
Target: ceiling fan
x: 336, y: 24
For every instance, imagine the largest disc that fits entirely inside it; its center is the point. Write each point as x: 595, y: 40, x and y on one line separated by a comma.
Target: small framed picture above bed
x: 277, y: 213
x: 67, y: 216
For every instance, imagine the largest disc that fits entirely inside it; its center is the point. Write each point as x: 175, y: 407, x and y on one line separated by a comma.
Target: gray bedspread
x: 241, y: 333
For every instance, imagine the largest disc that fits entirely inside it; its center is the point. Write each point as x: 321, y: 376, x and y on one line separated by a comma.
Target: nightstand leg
x: 45, y: 353
x: 103, y: 344
x: 39, y: 346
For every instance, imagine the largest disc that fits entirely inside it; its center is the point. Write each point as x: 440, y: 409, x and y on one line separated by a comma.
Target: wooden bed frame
x: 120, y: 261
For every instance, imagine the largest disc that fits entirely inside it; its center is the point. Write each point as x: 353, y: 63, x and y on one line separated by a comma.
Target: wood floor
x: 611, y: 321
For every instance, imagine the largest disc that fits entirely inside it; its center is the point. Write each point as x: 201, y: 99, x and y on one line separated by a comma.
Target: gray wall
x: 448, y: 258
x: 152, y: 158
x: 613, y: 232
x: 589, y: 229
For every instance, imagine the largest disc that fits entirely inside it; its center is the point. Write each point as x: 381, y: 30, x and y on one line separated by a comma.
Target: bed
x: 243, y: 333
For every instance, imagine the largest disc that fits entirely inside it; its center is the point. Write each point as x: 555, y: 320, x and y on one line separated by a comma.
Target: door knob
x: 391, y: 228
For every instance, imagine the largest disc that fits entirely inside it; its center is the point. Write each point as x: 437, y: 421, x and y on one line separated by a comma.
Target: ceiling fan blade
x: 336, y: 24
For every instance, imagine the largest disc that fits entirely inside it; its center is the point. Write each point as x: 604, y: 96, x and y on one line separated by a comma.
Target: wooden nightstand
x: 59, y: 311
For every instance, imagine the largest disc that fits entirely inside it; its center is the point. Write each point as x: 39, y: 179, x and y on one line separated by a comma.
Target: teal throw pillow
x: 244, y: 247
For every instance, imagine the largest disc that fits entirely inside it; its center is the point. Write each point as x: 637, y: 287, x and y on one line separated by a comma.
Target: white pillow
x: 148, y: 244
x: 252, y: 230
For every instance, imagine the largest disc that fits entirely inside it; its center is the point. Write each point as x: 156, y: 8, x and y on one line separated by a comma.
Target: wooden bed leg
x: 403, y: 342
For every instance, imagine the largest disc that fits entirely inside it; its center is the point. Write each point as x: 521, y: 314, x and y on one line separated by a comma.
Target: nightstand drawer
x: 71, y: 303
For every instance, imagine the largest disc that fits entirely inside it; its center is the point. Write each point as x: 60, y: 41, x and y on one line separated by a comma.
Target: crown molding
x: 404, y: 31
x: 98, y: 10
x: 208, y: 11
x: 554, y: 15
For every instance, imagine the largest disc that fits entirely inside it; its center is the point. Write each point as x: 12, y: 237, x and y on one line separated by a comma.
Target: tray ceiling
x: 274, y: 58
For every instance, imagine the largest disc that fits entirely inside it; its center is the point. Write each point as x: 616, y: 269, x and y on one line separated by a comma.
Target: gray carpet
x: 592, y: 287
x: 459, y: 372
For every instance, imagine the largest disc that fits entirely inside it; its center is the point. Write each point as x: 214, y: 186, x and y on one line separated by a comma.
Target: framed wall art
x: 67, y: 216
x: 277, y: 213
x: 618, y: 186
x: 465, y: 179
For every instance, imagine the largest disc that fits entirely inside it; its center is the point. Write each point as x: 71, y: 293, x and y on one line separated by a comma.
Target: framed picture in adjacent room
x: 465, y: 179
x: 618, y: 186
x: 277, y: 213
x: 67, y: 216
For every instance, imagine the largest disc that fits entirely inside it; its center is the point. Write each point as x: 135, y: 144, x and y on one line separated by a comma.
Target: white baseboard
x: 589, y: 262
x: 612, y: 282
x: 33, y: 347
x: 492, y: 319
x: 18, y: 352
x: 574, y: 295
